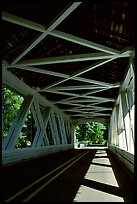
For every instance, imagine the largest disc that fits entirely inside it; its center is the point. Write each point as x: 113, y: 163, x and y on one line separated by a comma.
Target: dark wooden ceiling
x: 68, y: 65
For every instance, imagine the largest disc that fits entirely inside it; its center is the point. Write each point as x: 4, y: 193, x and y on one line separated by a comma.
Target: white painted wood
x: 41, y: 28
x: 91, y: 81
x: 64, y: 130
x: 72, y: 130
x: 45, y: 116
x: 50, y: 28
x: 85, y: 80
x: 125, y: 157
x: 52, y: 131
x: 68, y: 130
x: 16, y: 84
x: 69, y: 58
x: 55, y: 127
x: 22, y: 22
x: 117, y: 119
x: 74, y: 58
x: 43, y: 133
x: 63, y: 138
x: 89, y: 98
x: 19, y: 155
x: 80, y: 87
x: 85, y: 95
x: 37, y: 70
x: 83, y: 42
x: 37, y: 126
x: 95, y: 98
x: 17, y: 125
x: 67, y: 77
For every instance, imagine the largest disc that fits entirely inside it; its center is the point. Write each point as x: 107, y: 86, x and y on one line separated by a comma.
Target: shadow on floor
x: 126, y: 184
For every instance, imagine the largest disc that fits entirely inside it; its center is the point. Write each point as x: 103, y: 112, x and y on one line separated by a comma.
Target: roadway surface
x: 58, y: 178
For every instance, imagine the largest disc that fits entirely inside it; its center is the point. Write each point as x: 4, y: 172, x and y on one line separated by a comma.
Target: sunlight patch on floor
x: 100, y: 184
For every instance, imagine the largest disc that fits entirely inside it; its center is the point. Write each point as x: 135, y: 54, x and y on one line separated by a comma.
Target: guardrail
x: 125, y: 157
x: 19, y: 155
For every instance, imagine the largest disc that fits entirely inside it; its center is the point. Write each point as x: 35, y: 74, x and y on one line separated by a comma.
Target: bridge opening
x: 90, y: 134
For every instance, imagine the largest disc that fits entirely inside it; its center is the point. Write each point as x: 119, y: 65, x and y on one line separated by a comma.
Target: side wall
x: 54, y: 131
x: 121, y: 128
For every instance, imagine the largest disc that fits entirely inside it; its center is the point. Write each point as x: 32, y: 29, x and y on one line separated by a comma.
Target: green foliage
x: 91, y: 131
x: 10, y: 105
x: 21, y: 142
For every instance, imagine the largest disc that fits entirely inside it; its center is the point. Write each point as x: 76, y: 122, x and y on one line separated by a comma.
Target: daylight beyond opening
x: 90, y: 133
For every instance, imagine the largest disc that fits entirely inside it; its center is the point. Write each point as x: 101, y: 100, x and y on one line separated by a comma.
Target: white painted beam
x: 63, y: 129
x: 39, y: 70
x: 41, y: 134
x: 50, y: 28
x: 86, y: 111
x: 67, y: 77
x: 64, y: 15
x: 52, y: 131
x: 77, y: 79
x: 85, y: 95
x: 91, y: 81
x: 22, y: 22
x: 80, y: 87
x: 83, y: 42
x: 54, y: 125
x: 34, y: 142
x: 38, y: 140
x: 89, y: 98
x: 63, y: 136
x: 16, y: 84
x: 88, y: 115
x: 72, y: 58
x: 96, y: 108
x: 38, y: 27
x: 64, y: 59
x: 91, y: 67
x: 67, y: 125
x: 24, y: 154
x: 72, y: 132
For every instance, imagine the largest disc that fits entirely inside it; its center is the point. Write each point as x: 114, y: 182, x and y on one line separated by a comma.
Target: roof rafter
x: 41, y: 28
x: 82, y: 95
x: 55, y: 23
x: 72, y: 58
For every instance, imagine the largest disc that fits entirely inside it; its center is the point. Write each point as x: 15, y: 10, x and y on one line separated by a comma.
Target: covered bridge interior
x: 72, y: 63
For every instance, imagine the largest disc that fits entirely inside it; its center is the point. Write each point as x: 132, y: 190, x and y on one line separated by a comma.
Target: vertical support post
x: 63, y: 137
x: 52, y: 131
x: 45, y: 116
x: 109, y: 134
x: 130, y: 103
x: 41, y: 132
x: 55, y: 129
x: 72, y: 133
x: 68, y: 130
x: 17, y: 125
x: 63, y: 129
x: 37, y: 125
x: 112, y: 128
x: 117, y: 119
x: 124, y: 111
